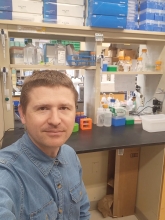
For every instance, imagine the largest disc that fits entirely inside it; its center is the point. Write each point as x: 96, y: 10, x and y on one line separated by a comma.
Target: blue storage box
x: 107, y: 21
x: 147, y: 14
x: 118, y: 121
x: 150, y: 25
x: 112, y: 1
x: 5, y: 15
x: 105, y: 8
x: 158, y: 17
x: 6, y: 5
x: 132, y: 25
x: 148, y: 4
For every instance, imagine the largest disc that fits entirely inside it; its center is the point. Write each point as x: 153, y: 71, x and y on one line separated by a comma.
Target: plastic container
x: 118, y: 121
x: 107, y: 118
x: 153, y: 123
x: 100, y: 117
x: 39, y: 54
x: 29, y: 53
x: 112, y: 68
x: 76, y: 127
x: 60, y: 54
x: 129, y: 120
x: 86, y: 124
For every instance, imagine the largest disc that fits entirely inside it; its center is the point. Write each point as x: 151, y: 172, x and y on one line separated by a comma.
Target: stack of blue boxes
x: 132, y: 16
x: 107, y: 13
x: 70, y: 12
x: 152, y: 15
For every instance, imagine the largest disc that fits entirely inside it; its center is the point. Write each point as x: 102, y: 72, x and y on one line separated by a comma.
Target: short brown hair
x: 47, y: 78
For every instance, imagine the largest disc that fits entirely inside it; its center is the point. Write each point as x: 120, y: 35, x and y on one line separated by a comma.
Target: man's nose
x: 54, y: 117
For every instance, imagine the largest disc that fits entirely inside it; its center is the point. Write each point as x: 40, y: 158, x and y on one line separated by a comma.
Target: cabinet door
x: 125, y: 183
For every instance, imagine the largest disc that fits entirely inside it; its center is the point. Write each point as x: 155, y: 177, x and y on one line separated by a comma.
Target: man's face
x: 49, y: 117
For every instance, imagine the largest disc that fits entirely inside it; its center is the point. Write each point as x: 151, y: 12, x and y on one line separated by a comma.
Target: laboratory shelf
x: 50, y: 67
x: 135, y: 73
x: 78, y: 33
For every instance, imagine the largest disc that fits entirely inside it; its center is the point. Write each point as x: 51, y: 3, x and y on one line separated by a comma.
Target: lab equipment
x: 127, y: 64
x: 158, y: 64
x: 29, y: 53
x: 60, y: 54
x: 86, y: 124
x: 49, y: 53
x: 76, y: 127
x: 3, y: 41
x: 129, y: 120
x: 118, y: 121
x: 100, y: 117
x: 144, y: 59
x: 120, y: 63
x: 107, y: 118
x: 139, y: 65
x: 153, y: 123
x: 38, y: 54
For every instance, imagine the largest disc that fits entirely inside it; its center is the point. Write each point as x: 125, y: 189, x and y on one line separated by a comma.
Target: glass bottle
x: 39, y: 53
x: 29, y: 53
x: 127, y: 64
x: 144, y: 59
x: 139, y: 65
x: 120, y: 63
x: 60, y: 54
x: 100, y: 117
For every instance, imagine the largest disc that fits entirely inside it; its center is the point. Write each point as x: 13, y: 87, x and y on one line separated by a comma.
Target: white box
x: 33, y: 7
x: 64, y: 20
x: 27, y: 17
x: 153, y: 123
x: 72, y: 2
x: 67, y: 10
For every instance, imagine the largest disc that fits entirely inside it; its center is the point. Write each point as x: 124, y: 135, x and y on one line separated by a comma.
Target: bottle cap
x: 144, y: 50
x: 127, y: 58
x: 121, y: 58
x: 139, y: 58
x: 158, y: 62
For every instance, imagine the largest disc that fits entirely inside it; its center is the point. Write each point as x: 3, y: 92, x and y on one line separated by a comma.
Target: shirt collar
x: 42, y: 161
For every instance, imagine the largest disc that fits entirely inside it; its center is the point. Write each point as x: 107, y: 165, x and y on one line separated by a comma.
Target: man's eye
x: 64, y: 108
x: 42, y: 108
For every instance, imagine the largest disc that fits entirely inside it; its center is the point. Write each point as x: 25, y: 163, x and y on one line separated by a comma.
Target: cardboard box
x: 5, y: 5
x: 9, y: 15
x: 127, y: 52
x: 32, y: 7
x: 63, y: 20
x: 105, y: 8
x: 106, y: 21
x: 125, y: 181
x: 72, y: 2
x: 113, y: 1
x: 59, y: 9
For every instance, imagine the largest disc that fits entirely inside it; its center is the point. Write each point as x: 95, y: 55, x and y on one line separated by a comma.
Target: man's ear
x: 22, y: 115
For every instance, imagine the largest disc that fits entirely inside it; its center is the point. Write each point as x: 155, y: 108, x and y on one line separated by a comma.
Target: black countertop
x: 102, y: 138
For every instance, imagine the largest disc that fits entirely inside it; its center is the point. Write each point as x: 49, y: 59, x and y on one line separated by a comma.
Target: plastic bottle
x: 107, y: 118
x: 60, y: 54
x: 127, y: 64
x: 100, y: 117
x: 139, y: 65
x: 120, y: 63
x: 39, y: 53
x: 144, y: 59
x: 29, y: 53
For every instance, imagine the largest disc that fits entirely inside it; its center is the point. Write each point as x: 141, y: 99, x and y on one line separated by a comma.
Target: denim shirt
x: 36, y: 187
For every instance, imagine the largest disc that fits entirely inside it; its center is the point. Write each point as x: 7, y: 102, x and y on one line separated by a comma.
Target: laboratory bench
x: 130, y: 155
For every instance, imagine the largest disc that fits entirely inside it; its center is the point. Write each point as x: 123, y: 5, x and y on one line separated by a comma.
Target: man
x: 40, y: 176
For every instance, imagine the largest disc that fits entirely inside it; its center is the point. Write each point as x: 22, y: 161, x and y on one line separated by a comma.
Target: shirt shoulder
x: 11, y: 153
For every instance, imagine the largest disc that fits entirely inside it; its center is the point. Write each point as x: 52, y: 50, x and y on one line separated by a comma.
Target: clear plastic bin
x: 153, y: 123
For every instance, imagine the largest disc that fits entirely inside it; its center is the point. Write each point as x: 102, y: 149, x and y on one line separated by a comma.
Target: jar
x: 127, y: 64
x: 139, y: 66
x: 158, y: 64
x: 120, y: 63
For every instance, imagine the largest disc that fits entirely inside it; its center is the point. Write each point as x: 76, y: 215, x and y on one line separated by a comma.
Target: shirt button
x: 60, y: 211
x: 59, y: 186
